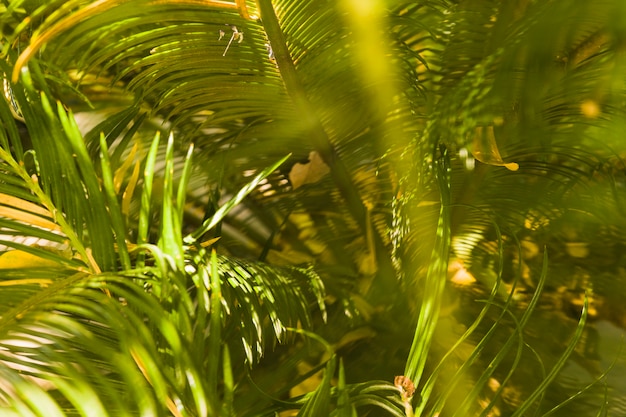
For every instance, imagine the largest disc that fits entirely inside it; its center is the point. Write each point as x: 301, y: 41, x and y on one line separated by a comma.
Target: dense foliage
x: 311, y: 207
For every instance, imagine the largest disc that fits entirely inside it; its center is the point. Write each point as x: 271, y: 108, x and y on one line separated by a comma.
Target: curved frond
x: 109, y: 238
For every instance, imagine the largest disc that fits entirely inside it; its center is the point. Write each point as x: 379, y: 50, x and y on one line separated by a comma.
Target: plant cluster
x: 309, y: 207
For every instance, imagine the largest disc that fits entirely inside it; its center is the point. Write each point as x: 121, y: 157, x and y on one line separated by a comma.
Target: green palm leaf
x: 365, y: 90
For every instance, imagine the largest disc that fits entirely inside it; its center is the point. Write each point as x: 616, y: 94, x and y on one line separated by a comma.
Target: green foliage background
x: 162, y: 255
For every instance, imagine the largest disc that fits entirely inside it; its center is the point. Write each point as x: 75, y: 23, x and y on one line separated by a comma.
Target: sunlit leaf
x: 308, y: 173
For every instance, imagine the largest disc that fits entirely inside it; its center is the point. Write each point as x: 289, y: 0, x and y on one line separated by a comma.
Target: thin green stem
x: 318, y: 136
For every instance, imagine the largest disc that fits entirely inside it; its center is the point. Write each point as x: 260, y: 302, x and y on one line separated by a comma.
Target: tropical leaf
x: 372, y: 88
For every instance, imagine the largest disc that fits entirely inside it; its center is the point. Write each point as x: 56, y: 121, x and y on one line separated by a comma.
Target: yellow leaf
x: 459, y: 275
x: 308, y: 173
x: 26, y: 212
x: 486, y: 150
x: 129, y: 192
x: 120, y: 173
x: 209, y: 242
x: 43, y: 282
x: 15, y: 259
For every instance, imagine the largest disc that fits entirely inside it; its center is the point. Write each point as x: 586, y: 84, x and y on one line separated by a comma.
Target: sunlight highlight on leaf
x: 27, y: 212
x: 590, y: 109
x: 27, y: 218
x: 15, y: 259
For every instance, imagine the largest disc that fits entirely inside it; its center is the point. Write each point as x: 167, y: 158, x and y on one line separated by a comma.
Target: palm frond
x: 534, y: 87
x: 77, y: 331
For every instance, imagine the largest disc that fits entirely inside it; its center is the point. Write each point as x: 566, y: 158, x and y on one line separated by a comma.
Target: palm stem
x: 318, y: 136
